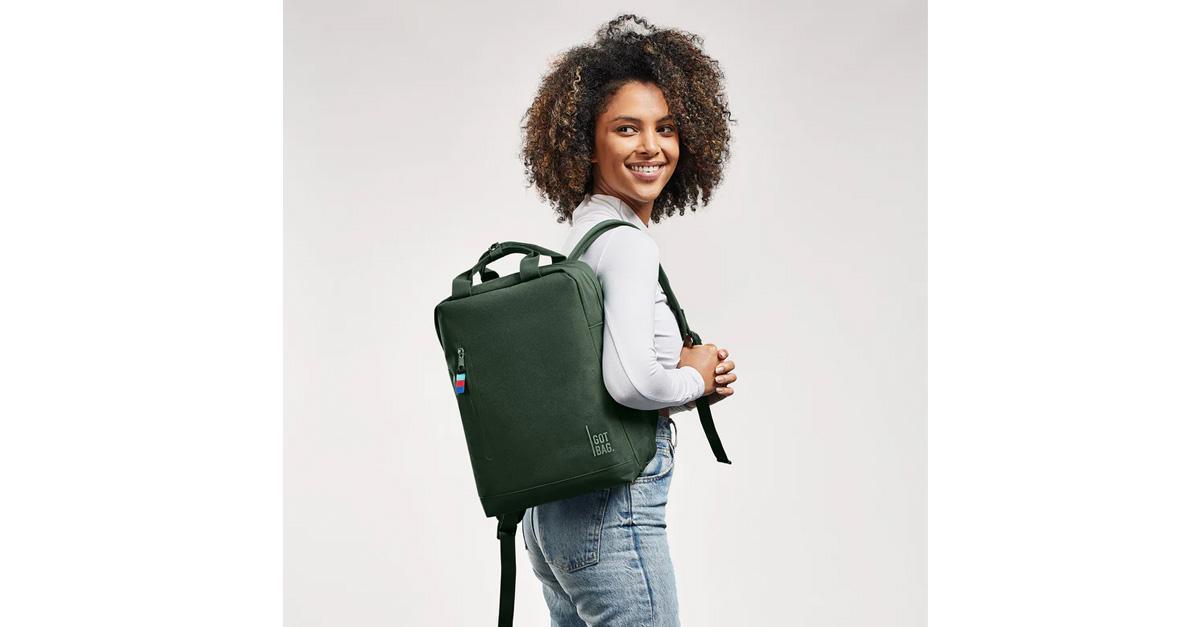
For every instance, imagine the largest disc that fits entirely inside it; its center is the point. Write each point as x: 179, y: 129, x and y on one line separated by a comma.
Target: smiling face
x: 636, y: 146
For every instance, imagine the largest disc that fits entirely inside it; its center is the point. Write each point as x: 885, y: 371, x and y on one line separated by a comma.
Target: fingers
x: 724, y: 375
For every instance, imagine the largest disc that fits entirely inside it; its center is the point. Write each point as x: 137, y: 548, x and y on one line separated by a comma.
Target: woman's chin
x: 646, y: 192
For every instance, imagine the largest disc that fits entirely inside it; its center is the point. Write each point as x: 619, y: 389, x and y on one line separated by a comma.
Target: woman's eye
x: 668, y: 128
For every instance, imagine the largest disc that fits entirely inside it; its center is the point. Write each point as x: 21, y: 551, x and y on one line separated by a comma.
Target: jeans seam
x: 599, y: 528
x: 637, y: 550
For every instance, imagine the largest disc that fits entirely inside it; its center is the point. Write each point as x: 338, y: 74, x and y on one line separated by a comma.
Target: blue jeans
x: 602, y: 556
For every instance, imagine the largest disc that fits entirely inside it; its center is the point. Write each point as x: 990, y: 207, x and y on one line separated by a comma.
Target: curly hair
x: 559, y: 127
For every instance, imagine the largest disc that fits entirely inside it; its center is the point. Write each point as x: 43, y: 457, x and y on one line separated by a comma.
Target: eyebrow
x: 633, y: 119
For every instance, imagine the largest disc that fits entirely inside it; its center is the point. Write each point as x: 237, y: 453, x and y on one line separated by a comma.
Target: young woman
x: 632, y: 127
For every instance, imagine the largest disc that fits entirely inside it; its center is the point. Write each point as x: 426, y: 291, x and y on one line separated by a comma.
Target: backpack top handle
x: 461, y: 286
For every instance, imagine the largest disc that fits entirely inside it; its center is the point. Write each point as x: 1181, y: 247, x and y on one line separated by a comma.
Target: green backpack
x: 524, y: 354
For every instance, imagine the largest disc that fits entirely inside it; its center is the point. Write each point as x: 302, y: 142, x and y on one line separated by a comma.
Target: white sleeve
x: 628, y: 273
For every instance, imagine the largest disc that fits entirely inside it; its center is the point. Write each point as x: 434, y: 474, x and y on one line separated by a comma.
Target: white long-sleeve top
x: 641, y: 337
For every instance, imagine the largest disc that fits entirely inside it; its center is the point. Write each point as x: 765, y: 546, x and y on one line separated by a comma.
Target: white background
x: 140, y: 390
x: 401, y: 134
x: 140, y: 326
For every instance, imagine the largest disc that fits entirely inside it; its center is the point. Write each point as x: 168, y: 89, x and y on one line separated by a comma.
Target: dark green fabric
x: 535, y: 400
x: 535, y: 394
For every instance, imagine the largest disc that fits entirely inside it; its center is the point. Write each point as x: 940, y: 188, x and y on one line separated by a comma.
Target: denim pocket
x: 569, y: 529
x: 660, y: 465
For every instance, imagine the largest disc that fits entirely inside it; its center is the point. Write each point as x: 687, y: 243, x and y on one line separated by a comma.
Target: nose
x: 649, y: 144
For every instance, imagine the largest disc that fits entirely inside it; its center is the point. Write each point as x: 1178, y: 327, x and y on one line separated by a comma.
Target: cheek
x: 613, y: 150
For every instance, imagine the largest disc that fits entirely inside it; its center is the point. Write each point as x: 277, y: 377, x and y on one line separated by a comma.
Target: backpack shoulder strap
x: 592, y: 234
x: 706, y: 419
x: 506, y: 531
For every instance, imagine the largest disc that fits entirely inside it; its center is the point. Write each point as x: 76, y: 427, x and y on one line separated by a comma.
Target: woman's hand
x: 714, y: 366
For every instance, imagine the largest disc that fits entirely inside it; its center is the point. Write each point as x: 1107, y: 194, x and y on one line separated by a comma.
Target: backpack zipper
x: 460, y: 375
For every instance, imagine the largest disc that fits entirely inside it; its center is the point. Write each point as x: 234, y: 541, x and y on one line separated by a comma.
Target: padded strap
x: 706, y: 419
x: 592, y: 234
x: 506, y: 531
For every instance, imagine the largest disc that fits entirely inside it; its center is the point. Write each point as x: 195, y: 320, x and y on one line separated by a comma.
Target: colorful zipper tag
x: 460, y: 383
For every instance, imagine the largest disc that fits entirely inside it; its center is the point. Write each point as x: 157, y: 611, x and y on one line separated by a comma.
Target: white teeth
x: 645, y: 169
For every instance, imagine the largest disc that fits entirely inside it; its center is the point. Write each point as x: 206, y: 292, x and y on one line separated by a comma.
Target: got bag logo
x: 600, y: 443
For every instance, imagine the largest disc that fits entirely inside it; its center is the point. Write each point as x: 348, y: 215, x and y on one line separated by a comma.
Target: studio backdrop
x: 401, y: 165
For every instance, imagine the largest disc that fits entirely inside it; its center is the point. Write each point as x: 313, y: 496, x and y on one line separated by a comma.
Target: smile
x: 645, y: 172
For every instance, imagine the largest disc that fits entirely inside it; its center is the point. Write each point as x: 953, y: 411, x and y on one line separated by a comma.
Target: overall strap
x: 706, y: 419
x: 506, y: 530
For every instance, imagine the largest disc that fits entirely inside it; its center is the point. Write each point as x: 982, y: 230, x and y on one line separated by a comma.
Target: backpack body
x: 539, y: 422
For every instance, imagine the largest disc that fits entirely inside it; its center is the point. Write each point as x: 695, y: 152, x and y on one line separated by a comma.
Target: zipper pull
x: 460, y: 376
